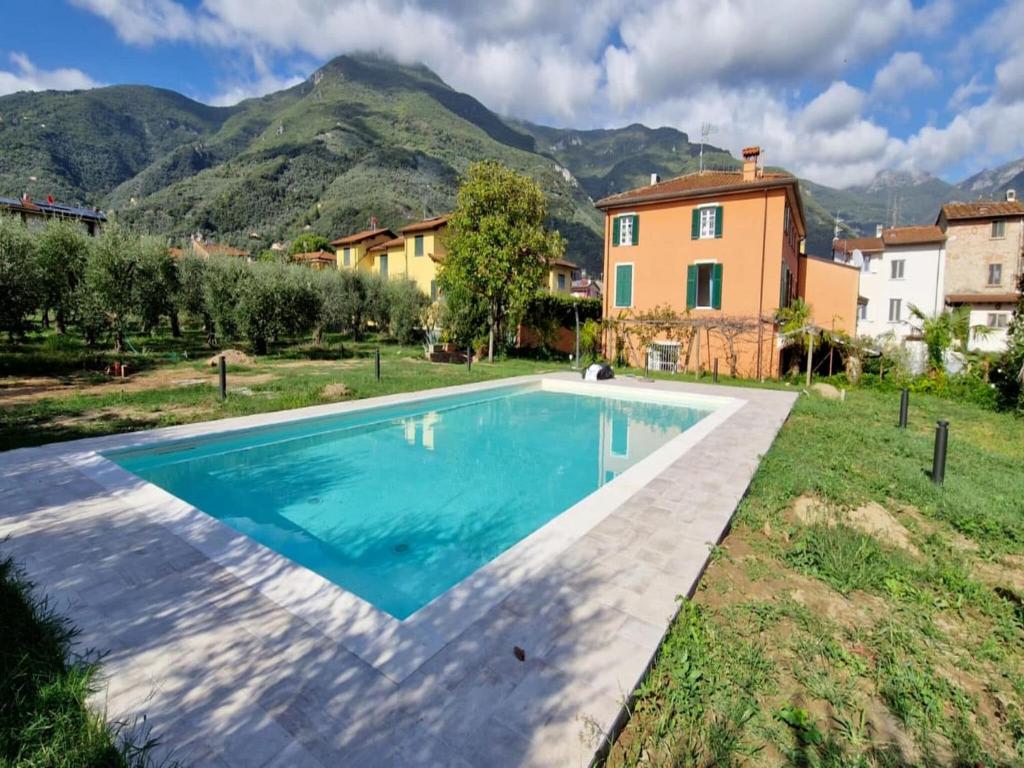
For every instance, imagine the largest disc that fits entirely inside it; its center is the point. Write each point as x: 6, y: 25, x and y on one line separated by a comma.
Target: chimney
x: 878, y: 230
x: 373, y: 223
x: 1011, y: 195
x: 750, y: 169
x: 655, y: 178
x: 25, y: 197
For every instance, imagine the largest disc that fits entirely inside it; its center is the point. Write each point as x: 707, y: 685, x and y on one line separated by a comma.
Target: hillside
x: 994, y: 183
x: 367, y: 136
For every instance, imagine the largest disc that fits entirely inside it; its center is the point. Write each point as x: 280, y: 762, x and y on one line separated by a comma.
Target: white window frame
x: 632, y: 285
x: 999, y: 224
x: 865, y: 265
x: 994, y: 319
x: 899, y: 311
x: 902, y: 269
x: 623, y: 218
x: 711, y: 287
x: 703, y: 234
x: 862, y: 310
x: 999, y: 266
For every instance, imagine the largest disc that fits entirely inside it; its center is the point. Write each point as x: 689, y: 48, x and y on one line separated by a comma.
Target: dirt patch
x: 231, y: 357
x: 336, y: 391
x: 320, y: 364
x: 872, y: 519
x: 15, y: 391
x: 136, y: 415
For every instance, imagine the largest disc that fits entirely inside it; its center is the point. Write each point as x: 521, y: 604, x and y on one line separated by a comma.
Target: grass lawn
x: 856, y: 615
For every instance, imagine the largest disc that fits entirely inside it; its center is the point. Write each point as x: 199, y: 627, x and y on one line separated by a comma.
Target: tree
x: 110, y: 278
x: 497, y: 247
x: 308, y: 242
x: 1008, y: 375
x: 224, y: 277
x: 156, y: 286
x: 19, y: 293
x: 942, y: 331
x: 62, y: 251
x: 191, y: 296
x: 408, y: 304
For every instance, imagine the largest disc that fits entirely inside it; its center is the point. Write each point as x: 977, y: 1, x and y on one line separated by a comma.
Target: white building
x: 900, y: 268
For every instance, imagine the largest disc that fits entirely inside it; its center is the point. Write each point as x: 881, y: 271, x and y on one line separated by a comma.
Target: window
x: 707, y: 222
x: 998, y: 319
x: 418, y: 249
x: 626, y: 230
x: 704, y: 286
x: 561, y: 282
x: 346, y: 256
x: 995, y: 274
x: 999, y: 228
x: 384, y: 265
x: 787, y: 220
x: 786, y: 286
x: 623, y: 285
x: 897, y: 269
x: 862, y: 310
x: 620, y: 435
x: 865, y: 266
x: 895, y: 309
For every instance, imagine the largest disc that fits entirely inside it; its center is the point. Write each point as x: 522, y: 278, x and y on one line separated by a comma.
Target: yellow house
x: 422, y: 251
x: 317, y: 260
x: 560, y: 276
x: 388, y: 258
x: 352, y: 249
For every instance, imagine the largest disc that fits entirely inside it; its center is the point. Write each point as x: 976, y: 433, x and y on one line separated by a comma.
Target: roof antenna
x: 706, y: 129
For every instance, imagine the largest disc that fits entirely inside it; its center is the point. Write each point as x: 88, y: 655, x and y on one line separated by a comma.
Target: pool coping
x: 395, y: 648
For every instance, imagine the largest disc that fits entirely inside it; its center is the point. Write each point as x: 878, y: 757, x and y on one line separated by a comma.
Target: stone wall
x: 970, y: 248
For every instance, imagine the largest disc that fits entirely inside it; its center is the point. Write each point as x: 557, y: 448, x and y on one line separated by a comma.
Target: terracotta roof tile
x: 693, y: 185
x: 359, y: 237
x: 426, y: 225
x: 981, y: 298
x: 564, y: 263
x: 912, y: 235
x: 983, y: 209
x: 862, y: 244
x: 388, y: 244
x: 315, y: 256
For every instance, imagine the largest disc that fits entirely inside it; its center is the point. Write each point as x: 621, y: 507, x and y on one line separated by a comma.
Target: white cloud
x: 143, y: 22
x: 26, y: 76
x: 834, y: 108
x: 904, y: 72
x: 966, y: 93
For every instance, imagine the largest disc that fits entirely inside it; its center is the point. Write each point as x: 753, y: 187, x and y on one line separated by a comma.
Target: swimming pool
x: 398, y: 504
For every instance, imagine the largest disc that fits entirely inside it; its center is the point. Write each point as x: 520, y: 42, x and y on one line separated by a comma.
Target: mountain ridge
x: 364, y: 135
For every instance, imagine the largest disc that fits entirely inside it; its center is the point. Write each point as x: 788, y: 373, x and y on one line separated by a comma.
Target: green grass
x: 817, y: 644
x: 44, y: 684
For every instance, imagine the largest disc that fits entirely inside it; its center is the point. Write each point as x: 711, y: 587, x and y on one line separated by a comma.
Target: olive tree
x: 156, y: 286
x: 62, y: 250
x: 498, y: 249
x: 110, y: 280
x: 19, y: 293
x: 408, y: 303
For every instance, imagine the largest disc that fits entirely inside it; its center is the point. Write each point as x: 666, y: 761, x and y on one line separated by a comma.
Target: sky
x: 833, y: 90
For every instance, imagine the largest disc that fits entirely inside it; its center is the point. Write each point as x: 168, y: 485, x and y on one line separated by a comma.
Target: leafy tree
x: 110, y: 279
x: 498, y: 247
x: 942, y: 331
x: 1008, y: 375
x: 258, y: 298
x: 191, y: 296
x: 19, y: 293
x: 308, y: 242
x: 156, y: 286
x: 224, y: 278
x: 62, y: 251
x: 377, y: 304
x: 408, y: 303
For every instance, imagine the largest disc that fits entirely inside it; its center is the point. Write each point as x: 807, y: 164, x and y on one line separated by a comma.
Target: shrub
x: 408, y: 303
x: 19, y: 292
x: 1008, y: 375
x: 308, y: 242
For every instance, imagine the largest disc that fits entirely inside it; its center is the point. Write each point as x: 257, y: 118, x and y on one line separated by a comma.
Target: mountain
x: 992, y: 184
x: 367, y: 136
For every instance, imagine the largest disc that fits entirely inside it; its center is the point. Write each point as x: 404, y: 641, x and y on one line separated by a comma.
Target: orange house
x: 712, y: 246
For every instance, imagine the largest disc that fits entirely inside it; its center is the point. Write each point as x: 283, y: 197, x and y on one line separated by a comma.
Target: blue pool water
x: 399, y: 504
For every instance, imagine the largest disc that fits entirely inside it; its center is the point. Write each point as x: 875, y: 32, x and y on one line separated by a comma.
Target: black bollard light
x: 939, y: 458
x: 714, y: 374
x: 469, y: 358
x: 223, y: 378
x: 376, y: 363
x: 904, y: 407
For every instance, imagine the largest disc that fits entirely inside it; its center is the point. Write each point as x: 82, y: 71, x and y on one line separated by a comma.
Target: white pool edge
x: 394, y: 648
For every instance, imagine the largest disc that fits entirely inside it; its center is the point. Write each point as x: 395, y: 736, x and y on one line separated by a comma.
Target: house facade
x: 984, y: 253
x: 714, y: 245
x: 560, y: 276
x: 904, y: 269
x: 351, y: 250
x: 36, y: 212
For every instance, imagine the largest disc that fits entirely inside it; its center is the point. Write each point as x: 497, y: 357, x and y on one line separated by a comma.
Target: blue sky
x: 836, y: 91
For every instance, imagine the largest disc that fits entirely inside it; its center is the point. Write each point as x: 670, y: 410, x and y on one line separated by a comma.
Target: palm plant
x: 944, y: 330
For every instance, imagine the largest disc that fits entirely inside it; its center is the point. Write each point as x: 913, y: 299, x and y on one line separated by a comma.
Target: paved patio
x: 228, y: 677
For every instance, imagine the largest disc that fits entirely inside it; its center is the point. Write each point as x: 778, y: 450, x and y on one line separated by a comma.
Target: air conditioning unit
x: 1011, y: 195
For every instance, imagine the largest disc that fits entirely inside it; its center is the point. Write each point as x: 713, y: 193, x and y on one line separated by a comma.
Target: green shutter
x: 615, y: 231
x: 716, y: 284
x: 782, y: 286
x: 691, y: 286
x: 695, y: 224
x: 718, y: 221
x: 418, y: 245
x: 624, y: 285
x: 636, y: 230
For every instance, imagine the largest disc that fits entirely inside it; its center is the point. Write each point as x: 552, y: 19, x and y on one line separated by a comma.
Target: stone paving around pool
x: 228, y: 677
